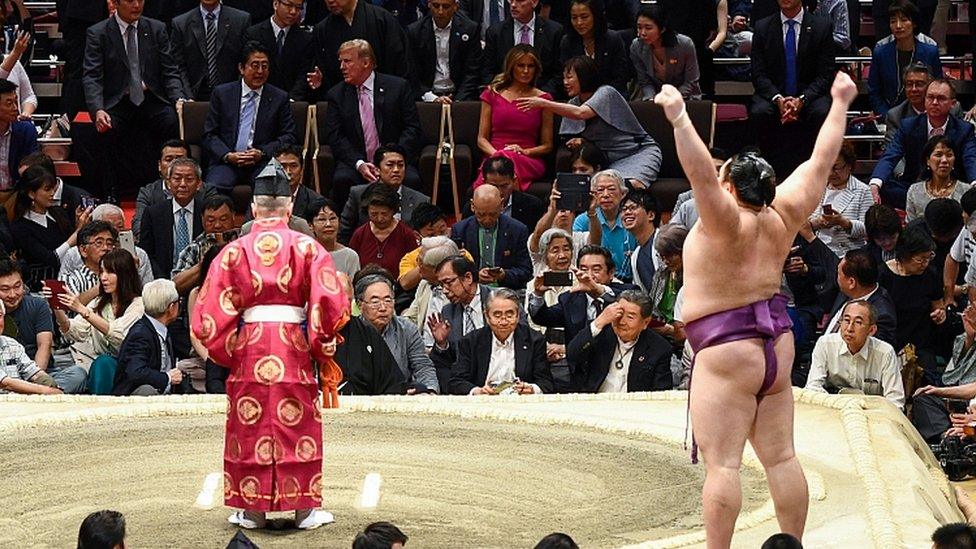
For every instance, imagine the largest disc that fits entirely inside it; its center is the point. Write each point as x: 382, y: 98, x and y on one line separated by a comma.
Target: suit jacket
x: 393, y: 108
x: 526, y: 209
x: 23, y: 141
x: 368, y: 366
x: 141, y: 360
x: 680, y: 68
x: 910, y: 140
x: 273, y: 125
x: 464, y: 56
x: 353, y: 215
x: 470, y: 367
x: 189, y: 38
x: 511, y: 252
x: 548, y: 35
x: 570, y: 311
x: 153, y: 193
x: 454, y: 314
x: 106, y: 72
x: 903, y: 110
x: 884, y: 308
x: 884, y: 82
x: 156, y: 234
x: 475, y: 11
x: 608, y: 55
x: 288, y: 69
x: 589, y: 361
x: 814, y: 58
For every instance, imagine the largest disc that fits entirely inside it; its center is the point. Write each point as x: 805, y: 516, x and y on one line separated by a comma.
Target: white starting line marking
x: 369, y: 498
x: 205, y: 500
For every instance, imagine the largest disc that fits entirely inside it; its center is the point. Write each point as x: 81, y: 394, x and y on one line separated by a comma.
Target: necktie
x: 524, y: 35
x: 281, y: 41
x: 936, y: 132
x: 597, y: 308
x: 135, y: 76
x: 212, y: 49
x: 469, y: 325
x: 790, y: 87
x: 182, y: 234
x: 370, y: 137
x: 494, y: 12
x: 247, y: 122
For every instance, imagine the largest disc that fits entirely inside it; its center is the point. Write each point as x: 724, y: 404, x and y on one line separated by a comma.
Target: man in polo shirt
x: 610, y: 189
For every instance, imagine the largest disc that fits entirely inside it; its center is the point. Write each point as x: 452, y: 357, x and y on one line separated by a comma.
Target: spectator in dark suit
x: 504, y: 351
x: 499, y: 172
x: 248, y: 121
x: 458, y: 277
x: 355, y: 20
x: 910, y: 141
x: 617, y: 353
x: 524, y: 27
x: 207, y: 41
x: 589, y: 26
x: 303, y: 198
x: 147, y: 361
x: 497, y: 242
x: 169, y: 227
x: 857, y: 277
x: 131, y: 81
x: 484, y: 13
x: 385, y: 103
x: 23, y: 136
x: 158, y: 191
x: 288, y: 45
x: 446, y: 54
x: 888, y: 59
x: 915, y: 79
x: 792, y: 78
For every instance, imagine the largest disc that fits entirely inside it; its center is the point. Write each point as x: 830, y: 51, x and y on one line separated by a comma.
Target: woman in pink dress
x: 524, y: 137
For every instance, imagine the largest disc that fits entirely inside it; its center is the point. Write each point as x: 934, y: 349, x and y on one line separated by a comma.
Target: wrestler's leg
x: 772, y: 439
x: 723, y: 406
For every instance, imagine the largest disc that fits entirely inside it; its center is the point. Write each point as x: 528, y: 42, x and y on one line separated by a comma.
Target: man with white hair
x: 147, y: 363
x: 115, y: 217
x: 251, y: 314
x: 609, y: 187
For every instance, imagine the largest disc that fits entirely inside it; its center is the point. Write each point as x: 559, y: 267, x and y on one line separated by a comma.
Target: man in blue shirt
x: 609, y: 188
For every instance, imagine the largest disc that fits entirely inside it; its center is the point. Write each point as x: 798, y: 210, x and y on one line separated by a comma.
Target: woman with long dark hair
x: 588, y: 35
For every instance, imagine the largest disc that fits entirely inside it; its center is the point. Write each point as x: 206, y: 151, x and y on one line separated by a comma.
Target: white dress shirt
x: 616, y: 380
x: 216, y: 12
x: 874, y: 370
x: 517, y: 29
x: 501, y: 365
x: 275, y: 29
x: 477, y: 314
x: 796, y: 28
x: 442, y: 67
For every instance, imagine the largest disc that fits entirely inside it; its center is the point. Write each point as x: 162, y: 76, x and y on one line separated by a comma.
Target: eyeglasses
x: 326, y: 220
x: 289, y: 6
x: 449, y: 281
x: 101, y: 243
x: 630, y: 207
x: 503, y: 315
x: 924, y: 258
x: 377, y: 303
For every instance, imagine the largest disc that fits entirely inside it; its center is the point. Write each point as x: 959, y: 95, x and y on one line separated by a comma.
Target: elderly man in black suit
x: 169, y: 227
x: 446, y: 54
x: 792, y: 68
x: 617, y: 353
x: 147, y: 363
x: 525, y: 27
x: 366, y: 110
x: 248, y: 121
x: 288, y: 45
x: 131, y: 82
x: 505, y: 355
x: 207, y: 41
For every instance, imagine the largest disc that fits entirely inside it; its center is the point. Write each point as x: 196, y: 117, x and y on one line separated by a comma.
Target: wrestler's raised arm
x: 800, y: 193
x: 716, y: 206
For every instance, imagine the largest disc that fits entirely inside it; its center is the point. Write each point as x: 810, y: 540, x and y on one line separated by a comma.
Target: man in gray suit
x: 391, y: 161
x: 207, y: 42
x: 915, y: 78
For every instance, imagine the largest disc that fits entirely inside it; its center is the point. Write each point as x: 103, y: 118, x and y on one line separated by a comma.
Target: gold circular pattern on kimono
x: 305, y: 448
x: 315, y: 487
x: 230, y: 343
x: 317, y: 410
x: 208, y: 328
x: 228, y: 486
x: 231, y: 257
x: 291, y: 490
x: 284, y: 278
x: 292, y: 337
x: 256, y: 282
x: 248, y: 410
x: 269, y: 369
x: 315, y: 318
x: 230, y: 299
x: 250, y: 489
x: 264, y: 452
x: 290, y: 411
x: 329, y: 281
x: 267, y: 246
x: 233, y: 448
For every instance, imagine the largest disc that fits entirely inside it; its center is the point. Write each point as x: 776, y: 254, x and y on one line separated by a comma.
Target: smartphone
x: 556, y: 335
x: 88, y: 202
x: 557, y: 278
x: 827, y: 209
x: 956, y: 405
x: 574, y: 192
x: 495, y: 270
x: 127, y: 242
x: 57, y: 288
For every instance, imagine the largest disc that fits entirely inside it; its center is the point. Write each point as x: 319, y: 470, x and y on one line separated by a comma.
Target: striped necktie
x: 212, y: 49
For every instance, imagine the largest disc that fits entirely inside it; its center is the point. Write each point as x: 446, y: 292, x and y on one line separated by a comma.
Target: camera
x: 957, y: 456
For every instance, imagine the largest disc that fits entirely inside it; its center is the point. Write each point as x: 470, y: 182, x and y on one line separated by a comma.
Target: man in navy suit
x: 910, y: 139
x: 365, y: 111
x: 248, y: 121
x: 496, y: 242
x: 147, y: 363
x: 542, y: 34
x: 203, y: 66
x: 617, y: 353
x: 446, y: 54
x: 23, y: 136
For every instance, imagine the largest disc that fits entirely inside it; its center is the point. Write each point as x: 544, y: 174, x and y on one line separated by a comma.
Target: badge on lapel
x: 673, y: 61
x: 640, y: 358
x: 464, y: 37
x: 506, y: 253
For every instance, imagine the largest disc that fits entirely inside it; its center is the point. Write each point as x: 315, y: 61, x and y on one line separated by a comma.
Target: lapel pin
x: 464, y: 37
x: 369, y: 349
x: 507, y: 253
x: 640, y: 358
x: 381, y: 90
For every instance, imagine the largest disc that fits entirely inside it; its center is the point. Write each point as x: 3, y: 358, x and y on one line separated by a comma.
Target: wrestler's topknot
x: 754, y: 179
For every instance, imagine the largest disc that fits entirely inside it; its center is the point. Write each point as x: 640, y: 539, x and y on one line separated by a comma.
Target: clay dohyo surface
x: 447, y: 482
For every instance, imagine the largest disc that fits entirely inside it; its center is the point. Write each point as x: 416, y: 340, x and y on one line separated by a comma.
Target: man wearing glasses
x: 95, y: 239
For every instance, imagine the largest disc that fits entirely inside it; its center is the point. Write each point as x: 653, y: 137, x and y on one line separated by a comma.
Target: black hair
x: 102, y: 530
x: 38, y: 159
x: 289, y: 148
x: 176, y: 144
x: 388, y: 148
x: 379, y: 535
x: 599, y: 12
x: 9, y: 267
x: 645, y: 199
x: 862, y: 266
x: 916, y: 67
x: 460, y: 265
x: 753, y: 178
x: 881, y: 220
x: 425, y: 214
x: 591, y: 249
x: 93, y: 228
x: 656, y: 13
x: 586, y: 71
x: 6, y: 86
x: 129, y: 285
x: 944, y: 218
x: 906, y: 8
x: 719, y: 154
x: 316, y: 206
x: 782, y: 541
x: 927, y: 151
x: 957, y: 535
x: 968, y: 201
x: 32, y: 180
x: 591, y: 154
x: 913, y: 240
x: 943, y: 81
x: 381, y: 194
x: 498, y: 165
x: 217, y: 201
x: 250, y: 48
x: 556, y: 540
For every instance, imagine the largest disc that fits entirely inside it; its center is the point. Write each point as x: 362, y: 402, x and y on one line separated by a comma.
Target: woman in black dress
x: 588, y: 35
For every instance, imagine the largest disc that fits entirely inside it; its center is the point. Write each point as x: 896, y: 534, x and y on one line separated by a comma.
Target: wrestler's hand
x: 843, y: 89
x: 671, y: 101
x: 610, y: 314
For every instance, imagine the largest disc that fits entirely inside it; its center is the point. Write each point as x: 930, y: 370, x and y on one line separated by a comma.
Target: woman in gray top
x: 937, y: 178
x: 661, y: 56
x: 602, y: 116
x: 325, y: 225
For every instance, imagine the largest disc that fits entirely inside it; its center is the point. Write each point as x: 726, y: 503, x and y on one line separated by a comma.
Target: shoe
x: 242, y: 519
x: 314, y: 519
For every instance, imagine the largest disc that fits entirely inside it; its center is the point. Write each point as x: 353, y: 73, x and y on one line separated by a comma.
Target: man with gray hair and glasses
x: 609, y: 188
x: 374, y: 293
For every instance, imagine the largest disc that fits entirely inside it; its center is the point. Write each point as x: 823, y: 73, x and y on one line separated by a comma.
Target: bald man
x: 495, y: 241
x: 735, y: 317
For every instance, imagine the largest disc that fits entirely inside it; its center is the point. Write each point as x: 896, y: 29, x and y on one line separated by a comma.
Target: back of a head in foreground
x: 753, y: 178
x: 958, y: 535
x: 102, y: 530
x: 782, y: 541
x: 556, y: 540
x: 380, y: 535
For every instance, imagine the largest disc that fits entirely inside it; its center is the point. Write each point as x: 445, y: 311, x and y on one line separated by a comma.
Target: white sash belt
x: 275, y: 313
